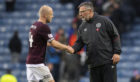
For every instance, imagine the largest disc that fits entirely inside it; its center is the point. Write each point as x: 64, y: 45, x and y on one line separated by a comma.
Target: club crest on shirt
x: 98, y: 25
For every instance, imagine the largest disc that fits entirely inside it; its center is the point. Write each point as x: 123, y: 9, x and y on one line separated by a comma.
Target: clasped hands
x: 70, y: 49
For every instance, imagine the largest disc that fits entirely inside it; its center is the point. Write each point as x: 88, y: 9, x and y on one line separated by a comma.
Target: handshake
x: 69, y: 49
x: 61, y: 46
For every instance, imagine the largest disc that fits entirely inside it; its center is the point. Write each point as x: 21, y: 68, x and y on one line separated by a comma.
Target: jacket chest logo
x: 85, y: 29
x: 98, y: 26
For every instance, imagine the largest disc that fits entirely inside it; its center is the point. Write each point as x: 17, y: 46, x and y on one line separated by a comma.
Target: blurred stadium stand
x: 26, y: 13
x: 130, y: 58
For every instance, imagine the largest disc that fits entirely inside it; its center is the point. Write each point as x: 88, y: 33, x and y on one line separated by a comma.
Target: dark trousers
x: 55, y: 72
x: 104, y: 73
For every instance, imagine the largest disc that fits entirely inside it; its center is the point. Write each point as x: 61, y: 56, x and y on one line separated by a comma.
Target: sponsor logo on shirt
x: 85, y: 29
x: 33, y: 27
x: 50, y: 35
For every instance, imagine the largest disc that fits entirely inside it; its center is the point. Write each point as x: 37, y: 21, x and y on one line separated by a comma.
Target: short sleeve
x: 45, y: 32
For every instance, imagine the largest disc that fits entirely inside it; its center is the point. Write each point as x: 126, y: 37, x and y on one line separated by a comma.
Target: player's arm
x: 49, y: 44
x: 60, y: 46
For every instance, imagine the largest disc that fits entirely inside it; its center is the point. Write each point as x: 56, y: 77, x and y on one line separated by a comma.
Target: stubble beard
x: 48, y: 21
x: 83, y: 19
x: 87, y: 17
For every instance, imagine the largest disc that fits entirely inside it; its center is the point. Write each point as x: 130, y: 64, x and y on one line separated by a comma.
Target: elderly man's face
x: 84, y: 13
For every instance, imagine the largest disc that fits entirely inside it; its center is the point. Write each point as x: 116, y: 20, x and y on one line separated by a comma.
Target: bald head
x: 46, y: 13
x: 45, y: 9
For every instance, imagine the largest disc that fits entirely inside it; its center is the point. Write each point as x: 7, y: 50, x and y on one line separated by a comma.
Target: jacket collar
x: 93, y: 18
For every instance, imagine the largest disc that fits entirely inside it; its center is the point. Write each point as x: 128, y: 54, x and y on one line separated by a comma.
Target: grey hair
x: 88, y: 5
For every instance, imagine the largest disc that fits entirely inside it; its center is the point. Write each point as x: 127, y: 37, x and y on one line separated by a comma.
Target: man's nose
x: 80, y: 14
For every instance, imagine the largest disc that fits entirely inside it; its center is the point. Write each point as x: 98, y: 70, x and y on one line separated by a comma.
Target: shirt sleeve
x: 114, y: 35
x: 78, y: 44
x: 45, y: 32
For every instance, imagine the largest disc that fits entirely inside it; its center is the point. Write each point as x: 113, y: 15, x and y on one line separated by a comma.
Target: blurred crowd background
x: 16, y: 17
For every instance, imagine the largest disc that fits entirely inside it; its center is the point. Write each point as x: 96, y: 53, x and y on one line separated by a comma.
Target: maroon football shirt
x: 39, y: 35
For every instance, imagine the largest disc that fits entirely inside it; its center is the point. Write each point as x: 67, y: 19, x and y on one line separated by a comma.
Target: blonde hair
x: 44, y: 10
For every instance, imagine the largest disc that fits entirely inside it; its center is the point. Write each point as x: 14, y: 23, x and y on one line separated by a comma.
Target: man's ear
x: 45, y: 16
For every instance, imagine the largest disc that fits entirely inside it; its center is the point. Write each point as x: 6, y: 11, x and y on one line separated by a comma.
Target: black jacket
x: 15, y: 44
x: 101, y: 39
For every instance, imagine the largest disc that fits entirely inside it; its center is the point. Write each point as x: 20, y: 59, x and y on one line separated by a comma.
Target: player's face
x: 84, y: 13
x: 49, y: 17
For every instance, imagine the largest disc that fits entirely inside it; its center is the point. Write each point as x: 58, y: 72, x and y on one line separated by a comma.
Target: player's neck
x: 42, y: 20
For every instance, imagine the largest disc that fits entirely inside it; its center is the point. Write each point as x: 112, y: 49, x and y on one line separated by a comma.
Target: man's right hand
x: 60, y: 46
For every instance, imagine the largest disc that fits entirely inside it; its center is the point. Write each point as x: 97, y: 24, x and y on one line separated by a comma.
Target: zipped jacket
x: 101, y: 39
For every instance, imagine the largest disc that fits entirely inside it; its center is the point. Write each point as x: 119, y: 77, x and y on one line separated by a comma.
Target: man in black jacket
x: 102, y: 42
x: 15, y: 46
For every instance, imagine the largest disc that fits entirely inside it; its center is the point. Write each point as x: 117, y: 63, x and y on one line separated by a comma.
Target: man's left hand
x: 116, y: 58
